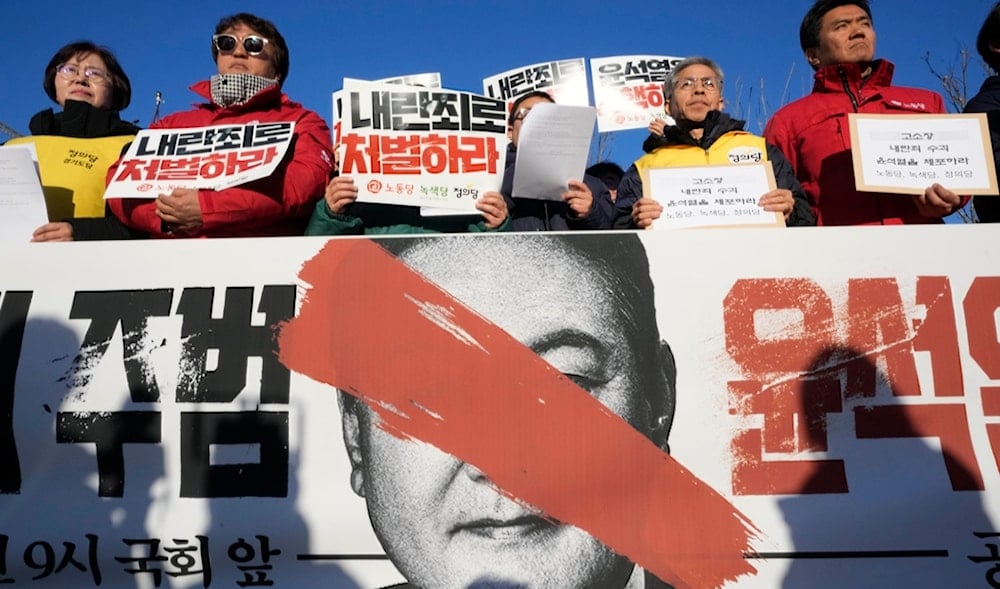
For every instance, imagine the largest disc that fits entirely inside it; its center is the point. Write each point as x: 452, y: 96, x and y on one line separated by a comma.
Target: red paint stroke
x: 532, y: 431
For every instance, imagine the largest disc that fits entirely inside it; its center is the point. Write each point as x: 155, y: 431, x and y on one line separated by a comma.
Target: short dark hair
x: 121, y: 88
x: 601, y: 169
x: 522, y: 98
x: 265, y: 28
x: 813, y: 20
x: 989, y: 38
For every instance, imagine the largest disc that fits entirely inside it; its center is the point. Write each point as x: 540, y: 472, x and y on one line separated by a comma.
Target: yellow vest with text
x: 733, y: 148
x: 73, y: 170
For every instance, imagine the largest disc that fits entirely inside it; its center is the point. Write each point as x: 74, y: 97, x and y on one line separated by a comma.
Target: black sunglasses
x: 254, y: 44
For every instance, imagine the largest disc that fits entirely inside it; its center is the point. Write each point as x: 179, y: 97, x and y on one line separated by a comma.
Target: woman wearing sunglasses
x: 78, y: 143
x: 252, y: 62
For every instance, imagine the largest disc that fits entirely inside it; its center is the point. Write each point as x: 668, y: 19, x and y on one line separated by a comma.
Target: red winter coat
x: 814, y: 135
x: 277, y: 205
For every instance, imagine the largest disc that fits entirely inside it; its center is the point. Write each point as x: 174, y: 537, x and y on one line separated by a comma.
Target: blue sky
x: 165, y: 46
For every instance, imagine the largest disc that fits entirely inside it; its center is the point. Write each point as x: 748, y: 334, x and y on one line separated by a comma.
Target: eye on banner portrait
x: 587, y: 410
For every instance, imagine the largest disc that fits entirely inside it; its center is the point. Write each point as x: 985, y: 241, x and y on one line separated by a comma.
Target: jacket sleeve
x: 987, y: 207
x: 326, y: 222
x: 784, y: 177
x: 290, y: 192
x: 480, y: 226
x: 602, y: 211
x: 108, y: 227
x: 629, y: 191
x: 777, y: 134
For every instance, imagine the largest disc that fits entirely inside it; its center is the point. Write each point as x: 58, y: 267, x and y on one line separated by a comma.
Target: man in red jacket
x: 252, y: 61
x: 838, y: 39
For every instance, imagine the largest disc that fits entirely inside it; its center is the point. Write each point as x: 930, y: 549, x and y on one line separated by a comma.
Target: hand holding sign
x: 181, y: 211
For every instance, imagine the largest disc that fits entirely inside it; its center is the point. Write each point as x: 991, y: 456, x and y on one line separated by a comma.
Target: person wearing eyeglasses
x: 252, y: 60
x: 586, y: 203
x: 77, y: 144
x: 701, y: 135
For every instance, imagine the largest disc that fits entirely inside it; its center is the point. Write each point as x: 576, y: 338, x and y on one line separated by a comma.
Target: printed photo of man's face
x: 441, y: 521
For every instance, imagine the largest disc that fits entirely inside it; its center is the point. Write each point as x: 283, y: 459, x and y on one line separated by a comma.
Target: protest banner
x: 565, y: 80
x: 628, y: 90
x: 905, y: 154
x: 406, y: 145
x: 214, y: 158
x: 711, y: 196
x: 829, y: 425
x: 427, y: 80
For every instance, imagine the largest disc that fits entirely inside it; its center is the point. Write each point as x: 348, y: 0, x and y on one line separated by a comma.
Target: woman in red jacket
x: 252, y: 61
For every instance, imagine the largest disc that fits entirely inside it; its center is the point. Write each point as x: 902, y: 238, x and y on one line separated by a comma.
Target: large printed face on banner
x: 441, y: 520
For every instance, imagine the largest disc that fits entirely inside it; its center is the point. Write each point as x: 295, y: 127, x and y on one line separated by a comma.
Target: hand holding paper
x: 579, y: 198
x: 937, y: 201
x: 779, y: 200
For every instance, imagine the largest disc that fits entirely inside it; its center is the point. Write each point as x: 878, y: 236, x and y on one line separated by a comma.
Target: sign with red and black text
x: 628, y: 90
x: 413, y: 146
x: 523, y: 410
x: 217, y: 157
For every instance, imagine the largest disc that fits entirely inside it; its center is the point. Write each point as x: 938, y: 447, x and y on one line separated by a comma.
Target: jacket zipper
x: 847, y: 88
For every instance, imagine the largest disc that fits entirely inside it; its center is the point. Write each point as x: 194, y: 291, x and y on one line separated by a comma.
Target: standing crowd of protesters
x: 805, y: 141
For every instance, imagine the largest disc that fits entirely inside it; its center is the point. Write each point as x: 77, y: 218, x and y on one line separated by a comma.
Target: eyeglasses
x: 709, y: 85
x: 254, y: 44
x: 93, y: 75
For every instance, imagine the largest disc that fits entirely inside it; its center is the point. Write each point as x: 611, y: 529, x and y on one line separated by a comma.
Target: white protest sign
x: 565, y: 80
x: 711, y: 196
x: 628, y: 90
x: 413, y: 146
x: 905, y: 154
x: 427, y: 80
x: 214, y: 158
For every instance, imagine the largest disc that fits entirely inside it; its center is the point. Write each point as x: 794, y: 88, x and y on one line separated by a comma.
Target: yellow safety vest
x: 734, y: 147
x: 73, y: 171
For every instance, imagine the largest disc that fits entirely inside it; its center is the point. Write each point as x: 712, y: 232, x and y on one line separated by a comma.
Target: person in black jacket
x: 76, y: 145
x: 586, y: 204
x: 988, y: 101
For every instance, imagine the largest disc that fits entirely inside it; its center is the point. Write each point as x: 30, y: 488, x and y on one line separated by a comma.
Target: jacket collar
x: 80, y: 119
x: 832, y: 77
x: 717, y: 124
x: 269, y: 96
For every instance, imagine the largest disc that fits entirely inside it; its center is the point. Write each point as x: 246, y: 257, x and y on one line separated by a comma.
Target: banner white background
x: 900, y: 502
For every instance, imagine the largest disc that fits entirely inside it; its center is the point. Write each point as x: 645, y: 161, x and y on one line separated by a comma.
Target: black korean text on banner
x: 13, y: 315
x: 565, y: 80
x: 234, y: 338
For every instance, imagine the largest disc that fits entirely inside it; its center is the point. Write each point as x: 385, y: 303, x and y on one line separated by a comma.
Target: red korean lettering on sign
x: 824, y: 363
x: 417, y: 154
